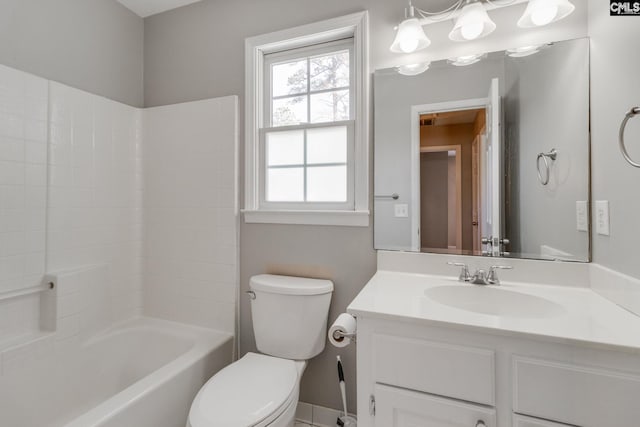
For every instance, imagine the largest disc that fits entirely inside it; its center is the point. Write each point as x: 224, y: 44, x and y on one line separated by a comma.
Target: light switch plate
x: 602, y: 217
x: 582, y: 216
x: 401, y: 210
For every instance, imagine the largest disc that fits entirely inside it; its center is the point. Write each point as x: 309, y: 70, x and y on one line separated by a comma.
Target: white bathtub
x: 142, y: 373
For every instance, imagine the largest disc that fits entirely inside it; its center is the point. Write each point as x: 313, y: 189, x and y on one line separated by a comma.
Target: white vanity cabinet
x: 413, y: 374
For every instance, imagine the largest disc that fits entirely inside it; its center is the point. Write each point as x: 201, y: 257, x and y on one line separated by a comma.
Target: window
x: 307, y: 130
x: 307, y: 145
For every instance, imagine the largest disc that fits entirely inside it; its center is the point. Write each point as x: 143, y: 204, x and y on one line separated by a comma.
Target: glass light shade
x: 543, y: 12
x: 473, y: 23
x: 410, y: 37
x: 462, y: 61
x: 413, y: 69
x: 521, y: 52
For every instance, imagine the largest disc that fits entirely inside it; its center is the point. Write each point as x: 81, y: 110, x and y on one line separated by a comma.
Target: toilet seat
x: 251, y: 392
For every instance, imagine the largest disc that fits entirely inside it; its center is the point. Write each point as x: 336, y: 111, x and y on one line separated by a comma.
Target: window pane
x: 285, y: 148
x: 289, y: 78
x: 329, y: 71
x: 327, y: 145
x: 285, y: 185
x: 289, y: 111
x: 330, y: 106
x: 327, y: 184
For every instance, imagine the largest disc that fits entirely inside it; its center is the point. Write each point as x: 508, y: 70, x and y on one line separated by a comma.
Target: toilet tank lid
x: 290, y: 285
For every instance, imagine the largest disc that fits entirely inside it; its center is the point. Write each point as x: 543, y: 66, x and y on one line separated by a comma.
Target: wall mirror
x: 487, y: 155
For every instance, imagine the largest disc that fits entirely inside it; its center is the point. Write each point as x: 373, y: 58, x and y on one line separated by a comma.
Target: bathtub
x: 141, y: 373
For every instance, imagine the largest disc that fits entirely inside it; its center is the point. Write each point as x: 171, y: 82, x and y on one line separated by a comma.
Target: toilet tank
x: 290, y: 315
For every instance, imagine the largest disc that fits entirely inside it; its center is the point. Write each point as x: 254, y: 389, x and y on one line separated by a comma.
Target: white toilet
x: 259, y: 390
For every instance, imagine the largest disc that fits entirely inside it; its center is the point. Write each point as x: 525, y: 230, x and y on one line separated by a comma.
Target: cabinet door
x: 397, y: 407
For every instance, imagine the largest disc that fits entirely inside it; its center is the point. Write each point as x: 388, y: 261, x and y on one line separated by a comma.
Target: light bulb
x: 544, y: 14
x: 473, y: 23
x: 408, y: 44
x: 472, y: 31
x: 410, y: 37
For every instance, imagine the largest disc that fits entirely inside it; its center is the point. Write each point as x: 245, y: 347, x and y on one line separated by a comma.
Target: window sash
x: 349, y: 204
x: 305, y: 53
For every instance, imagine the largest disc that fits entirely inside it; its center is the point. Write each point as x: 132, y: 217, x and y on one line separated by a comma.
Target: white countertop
x: 582, y: 316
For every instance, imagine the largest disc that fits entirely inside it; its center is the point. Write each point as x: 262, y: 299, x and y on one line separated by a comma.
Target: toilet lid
x: 245, y: 392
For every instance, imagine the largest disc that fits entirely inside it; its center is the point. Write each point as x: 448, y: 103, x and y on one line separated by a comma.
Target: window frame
x: 268, y: 128
x: 257, y: 210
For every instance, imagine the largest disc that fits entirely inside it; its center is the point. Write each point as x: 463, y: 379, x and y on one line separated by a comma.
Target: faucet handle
x: 465, y: 276
x: 492, y: 277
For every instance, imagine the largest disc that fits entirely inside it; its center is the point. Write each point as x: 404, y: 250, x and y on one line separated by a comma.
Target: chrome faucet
x: 480, y: 277
x: 464, y: 273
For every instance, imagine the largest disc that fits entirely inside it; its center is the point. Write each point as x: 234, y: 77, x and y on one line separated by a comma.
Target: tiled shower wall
x: 23, y: 195
x: 71, y: 197
x: 95, y: 201
x: 191, y: 244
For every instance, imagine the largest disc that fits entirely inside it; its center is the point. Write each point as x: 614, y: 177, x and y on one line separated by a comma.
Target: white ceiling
x: 146, y: 8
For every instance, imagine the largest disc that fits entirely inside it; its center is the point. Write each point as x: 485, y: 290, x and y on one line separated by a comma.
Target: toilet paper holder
x: 339, y: 335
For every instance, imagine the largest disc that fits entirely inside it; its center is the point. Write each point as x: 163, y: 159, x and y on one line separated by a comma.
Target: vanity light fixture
x: 410, y: 36
x: 523, y: 51
x: 543, y: 12
x: 413, y: 69
x: 473, y: 23
x: 463, y: 61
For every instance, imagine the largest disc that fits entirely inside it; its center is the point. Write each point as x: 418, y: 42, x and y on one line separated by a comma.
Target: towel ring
x: 553, y: 154
x: 632, y: 113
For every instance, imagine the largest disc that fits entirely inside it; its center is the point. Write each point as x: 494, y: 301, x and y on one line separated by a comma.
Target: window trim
x: 354, y: 25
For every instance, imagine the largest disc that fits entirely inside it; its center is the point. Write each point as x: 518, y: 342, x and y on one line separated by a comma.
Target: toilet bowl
x: 256, y: 391
x: 260, y: 390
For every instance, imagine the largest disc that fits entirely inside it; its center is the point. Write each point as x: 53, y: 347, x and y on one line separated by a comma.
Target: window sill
x: 337, y: 218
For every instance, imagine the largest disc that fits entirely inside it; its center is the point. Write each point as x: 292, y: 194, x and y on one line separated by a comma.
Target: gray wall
x: 197, y: 52
x: 547, y: 106
x: 615, y: 66
x: 93, y: 45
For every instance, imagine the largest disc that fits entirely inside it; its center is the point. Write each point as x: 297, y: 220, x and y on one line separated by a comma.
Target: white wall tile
x: 128, y: 208
x: 90, y: 198
x: 190, y: 216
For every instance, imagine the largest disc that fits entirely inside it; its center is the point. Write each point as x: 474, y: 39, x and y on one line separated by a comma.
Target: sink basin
x: 494, y: 301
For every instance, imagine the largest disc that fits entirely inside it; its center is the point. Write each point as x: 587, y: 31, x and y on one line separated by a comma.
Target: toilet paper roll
x: 343, y: 330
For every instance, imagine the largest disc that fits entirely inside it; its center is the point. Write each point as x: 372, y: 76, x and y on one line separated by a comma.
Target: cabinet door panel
x: 396, y: 407
x: 460, y: 372
x: 576, y: 395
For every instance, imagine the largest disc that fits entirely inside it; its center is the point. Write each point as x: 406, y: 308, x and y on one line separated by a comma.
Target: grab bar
x: 15, y: 293
x: 632, y: 113
x: 553, y: 154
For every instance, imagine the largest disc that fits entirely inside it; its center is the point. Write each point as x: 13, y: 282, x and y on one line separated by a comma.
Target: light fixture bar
x: 435, y: 19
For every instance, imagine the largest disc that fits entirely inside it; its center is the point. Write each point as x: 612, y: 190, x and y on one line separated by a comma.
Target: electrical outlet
x: 401, y: 211
x: 582, y: 216
x: 602, y: 217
